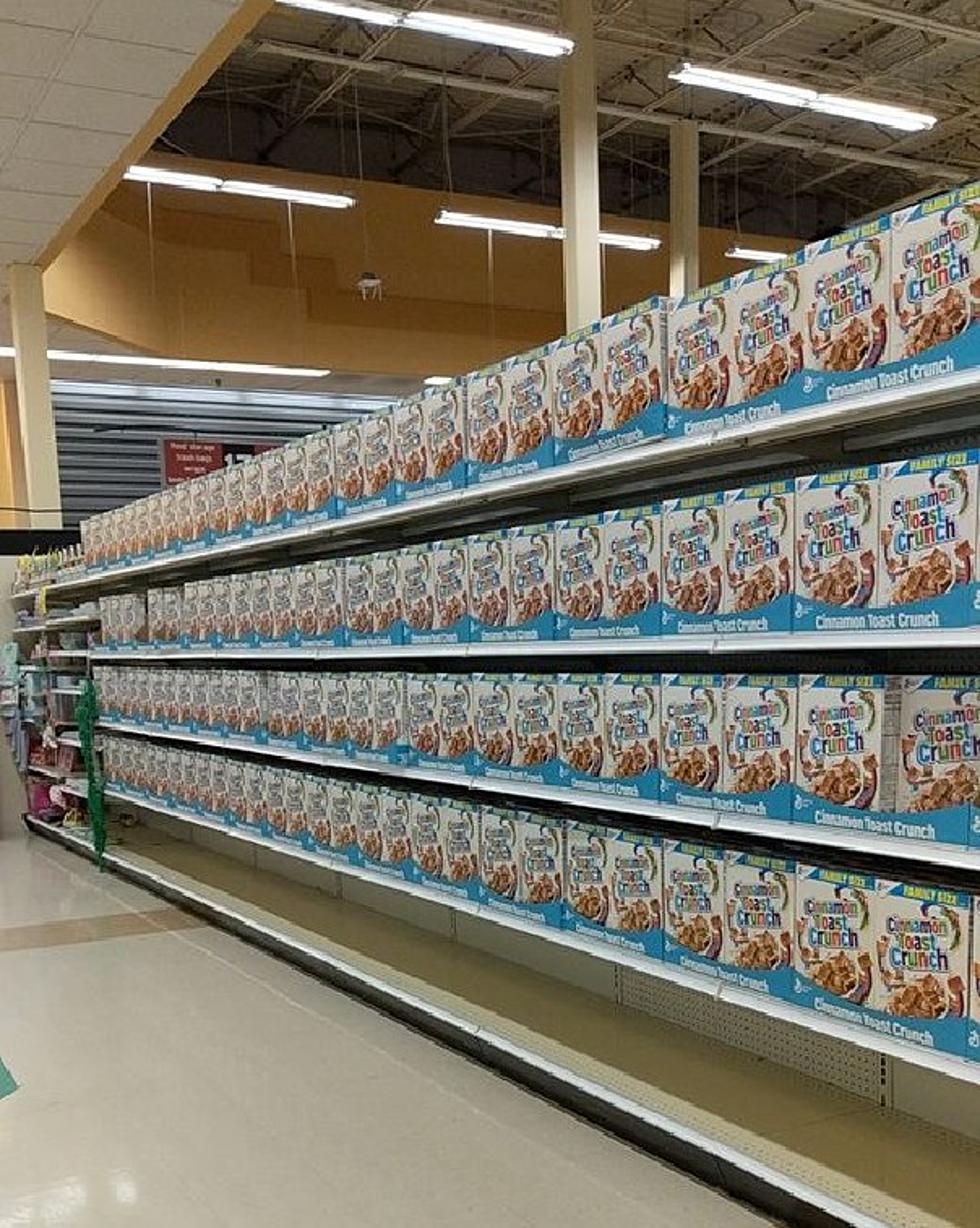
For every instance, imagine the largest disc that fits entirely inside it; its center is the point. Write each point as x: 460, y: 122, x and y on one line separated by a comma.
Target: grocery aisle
x: 170, y: 1074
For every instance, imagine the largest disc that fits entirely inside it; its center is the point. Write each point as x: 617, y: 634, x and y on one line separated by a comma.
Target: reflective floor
x: 170, y: 1075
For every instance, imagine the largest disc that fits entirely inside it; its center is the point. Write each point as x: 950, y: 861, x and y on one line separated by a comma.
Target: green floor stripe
x: 8, y: 1083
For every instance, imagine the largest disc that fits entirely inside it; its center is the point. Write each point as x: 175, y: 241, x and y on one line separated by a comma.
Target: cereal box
x: 329, y: 627
x: 411, y: 453
x: 254, y: 488
x: 633, y: 369
x: 304, y: 595
x: 285, y: 721
x: 378, y: 451
x: 313, y: 711
x: 213, y: 773
x: 223, y: 615
x: 847, y: 303
x: 529, y: 386
x: 935, y: 273
x: 760, y: 746
x: 692, y: 723
x: 541, y: 867
x: 493, y: 725
x: 631, y: 569
x: 262, y: 611
x: 343, y: 820
x: 582, y: 605
x: 251, y: 705
x: 294, y: 806
x: 275, y: 801
x: 454, y: 708
x: 631, y: 735
x: 448, y: 574
x: 255, y: 813
x: 171, y: 603
x: 296, y: 485
x: 922, y: 940
x: 389, y: 625
x: 233, y: 679
x: 460, y: 830
x: 835, y: 957
x: 236, y: 512
x: 613, y: 885
x: 336, y: 698
x: 360, y: 716
x: 938, y: 786
x: 693, y: 563
x: 422, y: 716
x: 445, y: 431
x: 237, y: 784
x: 837, y: 550
x: 190, y: 623
x: 489, y: 579
x: 284, y: 625
x: 846, y: 767
x: 694, y: 906
x: 532, y: 583
x: 760, y: 914
x: 396, y: 833
x: 390, y: 744
x: 316, y: 800
x: 581, y: 754
x: 499, y: 854
x: 359, y: 610
x: 185, y: 699
x: 700, y: 332
x: 428, y: 849
x: 486, y: 425
x: 577, y: 366
x: 274, y: 489
x: 759, y: 559
x: 418, y: 598
x: 534, y: 730
x: 767, y: 341
x: 319, y: 449
x: 928, y: 541
x: 240, y: 602
x: 348, y: 466
x: 367, y: 817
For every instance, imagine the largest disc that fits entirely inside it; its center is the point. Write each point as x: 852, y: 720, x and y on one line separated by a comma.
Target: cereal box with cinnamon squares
x: 336, y: 698
x: 154, y: 616
x: 577, y: 366
x: 493, y: 725
x: 189, y: 623
x: 693, y: 545
x: 223, y: 615
x: 837, y: 568
x: 251, y: 705
x: 304, y: 593
x: 240, y: 598
x: 767, y: 341
x: 532, y: 583
x: 275, y: 801
x: 294, y: 475
x: 360, y: 715
x: 449, y: 571
x: 694, y: 906
x: 329, y: 580
x: 185, y: 699
x: 529, y: 401
x: 272, y: 466
x: 285, y: 720
x: 359, y: 609
x: 631, y: 559
x: 759, y: 559
x: 232, y: 710
x: 378, y: 451
x: 928, y: 541
x: 847, y: 306
x: 428, y: 853
x: 348, y: 459
x: 343, y: 820
x: 313, y: 711
x: 415, y: 582
x: 367, y: 817
x: 631, y: 735
x: 922, y: 940
x: 212, y: 773
x: 847, y: 760
x: 454, y: 708
x: 389, y: 624
x: 834, y: 958
x: 935, y: 276
x: 613, y: 886
x: 255, y: 812
x: 499, y: 855
x: 411, y: 452
x: 262, y: 608
x: 541, y: 867
x: 284, y: 625
x: 295, y: 806
x: 489, y: 580
x: 236, y: 512
x: 760, y: 746
x: 316, y: 800
x: 534, y: 716
x: 201, y: 510
x: 396, y: 833
x: 460, y: 830
x: 487, y: 433
x: 692, y: 738
x: 321, y: 492
x: 445, y: 436
x: 172, y: 599
x: 388, y: 697
x: 581, y: 754
x: 214, y: 492
x: 938, y: 787
x: 633, y: 378
x: 422, y: 718
x: 236, y: 790
x: 582, y: 605
x: 760, y: 914
x: 700, y: 329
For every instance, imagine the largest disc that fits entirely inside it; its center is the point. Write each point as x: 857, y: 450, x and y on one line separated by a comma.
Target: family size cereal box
x: 577, y: 366
x: 240, y: 599
x: 938, y: 788
x: 360, y: 716
x: 321, y: 489
x: 428, y: 849
x: 928, y: 541
x: 692, y: 737
x: 847, y: 303
x: 294, y: 459
x: 541, y: 867
x: 767, y: 341
x: 236, y: 786
x: 284, y: 625
x: 330, y: 609
x: 359, y: 606
x: 415, y: 582
x: 760, y: 914
x: 460, y: 830
x: 236, y: 512
x: 486, y: 424
x: 378, y: 452
x: 529, y: 404
x: 254, y: 488
x: 295, y: 798
x: 290, y: 730
x: 692, y: 533
x: 922, y: 939
x: 759, y: 558
x: 313, y: 711
x: 336, y: 698
x: 700, y: 329
x: 499, y: 856
x: 581, y: 754
x: 454, y: 713
x: 631, y: 735
x: 633, y: 370
x: 422, y: 717
x: 837, y: 550
x: 935, y: 271
x: 846, y: 768
x: 367, y: 818
x: 532, y: 583
x: 317, y: 802
x: 275, y: 801
x: 631, y: 539
x: 694, y: 906
x: 348, y: 466
x: 493, y: 724
x: 396, y: 833
x: 434, y: 581
x: 582, y: 606
x: 251, y: 705
x: 389, y: 625
x: 835, y: 958
x: 445, y: 437
x: 534, y: 714
x: 262, y: 611
x: 255, y: 811
x: 343, y: 820
x: 390, y: 742
x: 273, y: 466
x: 489, y: 578
x: 760, y: 746
x: 411, y: 453
x: 613, y: 885
x: 304, y: 594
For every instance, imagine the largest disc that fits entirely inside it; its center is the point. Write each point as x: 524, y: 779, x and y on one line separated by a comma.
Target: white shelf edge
x: 25, y: 594
x: 69, y: 739
x: 41, y: 769
x: 957, y: 1068
x: 77, y: 788
x: 922, y: 852
x: 68, y: 653
x: 65, y: 690
x: 32, y: 629
x: 72, y: 620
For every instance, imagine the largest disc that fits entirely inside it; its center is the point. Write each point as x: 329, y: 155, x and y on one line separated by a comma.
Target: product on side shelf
x: 760, y: 746
x: 834, y: 957
x: 396, y: 833
x: 316, y: 802
x: 847, y: 762
x: 631, y: 541
x: 541, y: 867
x: 236, y: 515
x: 359, y: 610
x: 367, y: 816
x: 285, y: 722
x: 445, y: 434
x: 582, y: 606
x: 411, y: 453
x: 693, y: 545
x: 534, y: 726
x: 284, y: 606
x: 378, y: 452
x: 529, y: 403
x: 329, y: 581
x: 272, y: 464
x: 172, y: 614
x: 460, y: 828
x: 304, y: 595
x: 578, y: 400
x: 581, y: 755
x: 389, y: 625
x: 294, y: 829
x: 360, y: 716
x: 767, y: 341
x: 223, y: 615
x: 294, y: 459
x: 343, y: 820
x: 415, y: 583
x: 428, y: 849
x: 253, y: 809
x: 613, y: 884
x: 633, y: 363
x: 938, y: 788
x: 200, y: 503
x: 390, y: 744
x: 499, y: 853
x: 935, y: 278
x: 489, y: 580
x: 487, y: 435
x: 700, y: 328
x: 262, y: 608
x: 185, y: 699
x: 251, y: 705
x: 759, y: 558
x: 760, y: 913
x: 348, y: 459
x: 454, y: 714
x: 154, y: 615
x: 237, y: 796
x: 313, y: 711
x: 692, y: 741
x: 449, y: 574
x: 319, y: 449
x: 631, y: 735
x: 422, y: 718
x: 928, y: 541
x: 275, y: 801
x: 493, y: 725
x: 532, y: 583
x: 694, y: 906
x: 336, y: 697
x: 217, y: 695
x: 837, y: 572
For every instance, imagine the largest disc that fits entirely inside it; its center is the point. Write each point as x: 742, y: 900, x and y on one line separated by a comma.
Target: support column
x: 579, y: 167
x: 684, y: 207
x: 13, y: 488
x: 38, y: 445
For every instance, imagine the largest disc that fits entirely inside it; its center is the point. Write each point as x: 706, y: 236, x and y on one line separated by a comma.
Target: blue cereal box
x: 760, y: 915
x: 541, y: 865
x: 390, y: 743
x: 445, y: 437
x: 411, y: 454
x: 367, y: 819
x: 631, y: 735
x: 837, y: 550
x: 613, y: 886
x: 241, y: 608
x: 577, y: 366
x: 313, y: 711
x: 446, y: 845
x: 607, y: 575
x: 285, y: 630
x: 767, y: 341
x: 692, y: 741
x: 336, y: 699
x: 759, y: 559
x: 694, y: 906
x: 581, y: 601
x: 938, y: 785
x: 425, y: 818
x: 389, y: 625
x: 529, y: 401
x: 760, y: 746
x: 835, y: 960
x: 275, y: 801
x: 294, y: 459
x: 262, y: 614
x: 435, y: 592
x: 634, y: 343
x: 343, y: 827
x: 454, y: 708
x: 317, y: 802
x: 329, y: 580
x: 304, y: 593
x: 378, y: 453
x: 396, y: 833
x: 532, y: 583
x: 489, y: 580
x: 348, y: 457
x: 486, y: 424
x: 360, y: 716
x: 693, y: 545
x: 499, y: 857
x: 928, y: 541
x: 581, y: 713
x: 320, y: 474
x: 493, y: 725
x: 699, y: 364
x: 534, y: 709
x: 422, y: 718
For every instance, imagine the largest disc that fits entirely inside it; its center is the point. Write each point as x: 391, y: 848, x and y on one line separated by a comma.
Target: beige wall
x: 218, y: 280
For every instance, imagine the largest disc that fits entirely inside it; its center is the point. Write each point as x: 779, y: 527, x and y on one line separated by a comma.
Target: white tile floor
x: 183, y: 1079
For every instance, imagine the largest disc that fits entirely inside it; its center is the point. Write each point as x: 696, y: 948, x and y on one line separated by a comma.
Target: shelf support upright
x: 87, y: 712
x: 578, y: 123
x: 684, y: 207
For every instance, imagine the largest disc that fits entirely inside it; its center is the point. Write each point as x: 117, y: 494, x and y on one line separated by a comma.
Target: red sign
x: 189, y: 458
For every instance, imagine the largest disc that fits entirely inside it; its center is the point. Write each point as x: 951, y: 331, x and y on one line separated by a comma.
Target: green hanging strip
x: 87, y: 711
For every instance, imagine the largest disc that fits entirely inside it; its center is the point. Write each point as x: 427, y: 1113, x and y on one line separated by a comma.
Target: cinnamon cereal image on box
x: 454, y: 713
x: 435, y: 592
x: 693, y: 545
x: 634, y: 386
x: 541, y: 867
x: 359, y: 606
x: 692, y: 737
x: 581, y: 600
x: 348, y: 459
x: 837, y: 566
x: 694, y: 905
x: 834, y: 956
x: 759, y: 559
x: 460, y: 830
x: 330, y: 628
x: 360, y: 716
x: 378, y: 455
x: 422, y: 717
x: 343, y: 820
x: 493, y: 724
x: 388, y: 699
x: 607, y: 575
x: 767, y: 340
x: 631, y: 735
x: 760, y: 746
x: 489, y: 578
x: 321, y: 490
x: 529, y: 396
x: 760, y: 914
x: 532, y: 583
x: 699, y: 359
x: 396, y: 833
x: 367, y: 818
x: 387, y: 599
x: 411, y: 452
x: 581, y: 712
x: 928, y: 541
x: 317, y: 801
x: 336, y: 698
x: 428, y: 852
x: 499, y: 852
x: 613, y: 885
x: 445, y: 436
x: 577, y: 366
x: 487, y: 431
x: 534, y: 716
x: 938, y: 787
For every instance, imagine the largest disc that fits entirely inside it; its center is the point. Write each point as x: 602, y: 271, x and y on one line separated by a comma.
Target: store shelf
x: 917, y: 851
x: 592, y: 475
x: 65, y: 621
x: 69, y: 739
x: 68, y: 654
x: 41, y: 769
x: 65, y: 690
x: 25, y: 595
x: 29, y: 628
x: 77, y: 788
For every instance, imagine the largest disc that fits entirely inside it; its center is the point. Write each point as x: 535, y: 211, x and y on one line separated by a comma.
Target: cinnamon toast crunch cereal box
x: 694, y: 906
x: 343, y: 820
x: 760, y: 746
x: 532, y: 583
x: 359, y: 608
x: 336, y: 698
x: 928, y: 541
x: 487, y: 431
x: 693, y: 545
x: 607, y: 575
x: 422, y: 717
x: 493, y: 725
x: 434, y: 580
x: 613, y: 886
x: 633, y: 376
x: 389, y: 624
x: 390, y: 743
x: 534, y: 713
x: 692, y: 738
x: 835, y: 960
x: 577, y: 366
x: 378, y: 455
x: 489, y: 580
x: 529, y: 403
x: 499, y: 857
x: 348, y: 466
x: 317, y: 802
x: 330, y: 608
x: 460, y: 830
x: 445, y: 437
x: 411, y: 453
x: 938, y: 788
x: 581, y: 754
x: 294, y: 458
x: 320, y: 483
x: 759, y: 559
x: 396, y: 834
x: 767, y: 341
x: 631, y: 735
x: 454, y: 713
x: 760, y: 913
x: 541, y: 867
x: 700, y: 328
x: 581, y: 601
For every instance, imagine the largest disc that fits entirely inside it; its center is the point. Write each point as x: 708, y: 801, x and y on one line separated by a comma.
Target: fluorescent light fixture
x: 450, y: 25
x: 173, y: 179
x: 632, y: 243
x: 176, y: 364
x: 873, y: 112
x: 760, y: 254
x: 437, y: 381
x: 540, y: 230
x: 238, y: 187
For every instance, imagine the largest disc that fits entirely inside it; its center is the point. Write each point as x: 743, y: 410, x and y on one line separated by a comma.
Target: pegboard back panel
x: 853, y: 1069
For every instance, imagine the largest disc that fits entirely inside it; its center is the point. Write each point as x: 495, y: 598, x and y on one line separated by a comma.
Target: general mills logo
x: 808, y: 383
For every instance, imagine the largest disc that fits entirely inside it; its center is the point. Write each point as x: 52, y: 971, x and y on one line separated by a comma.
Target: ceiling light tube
x: 295, y: 196
x: 177, y: 364
x: 173, y: 179
x: 437, y: 381
x: 872, y: 112
x: 356, y: 12
x: 632, y: 243
x: 541, y: 230
x: 760, y: 254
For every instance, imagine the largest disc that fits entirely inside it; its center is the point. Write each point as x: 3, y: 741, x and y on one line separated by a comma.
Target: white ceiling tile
x: 73, y: 146
x: 19, y: 95
x: 83, y: 106
x: 137, y: 70
x: 186, y: 25
x: 49, y: 177
x: 55, y: 14
x: 35, y: 233
x: 34, y: 206
x: 29, y: 51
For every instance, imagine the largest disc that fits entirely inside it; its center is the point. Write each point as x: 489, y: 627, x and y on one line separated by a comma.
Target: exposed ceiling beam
x: 902, y: 17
